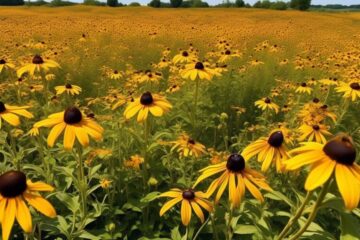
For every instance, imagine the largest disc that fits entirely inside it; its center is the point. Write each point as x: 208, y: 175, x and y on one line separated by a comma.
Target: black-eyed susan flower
x: 269, y: 150
x: 9, y: 114
x: 5, y: 65
x: 190, y: 200
x: 115, y: 75
x: 148, y: 102
x: 14, y: 191
x: 74, y: 124
x: 336, y: 156
x: 38, y: 64
x: 235, y: 175
x: 266, y: 103
x: 197, y: 70
x: 187, y: 146
x: 69, y: 89
x: 314, y: 132
x: 134, y: 162
x: 351, y: 90
x: 303, y: 88
x: 183, y: 57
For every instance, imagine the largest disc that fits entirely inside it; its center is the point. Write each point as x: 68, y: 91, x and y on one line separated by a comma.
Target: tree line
x: 266, y: 4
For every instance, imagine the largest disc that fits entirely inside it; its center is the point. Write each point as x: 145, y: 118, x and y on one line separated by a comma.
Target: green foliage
x: 11, y: 2
x: 112, y: 3
x: 301, y: 5
x: 240, y: 3
x: 175, y: 3
x: 279, y: 5
x: 93, y: 3
x: 155, y: 3
x: 134, y: 4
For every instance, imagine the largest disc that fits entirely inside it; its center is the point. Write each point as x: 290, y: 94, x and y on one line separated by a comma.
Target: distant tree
x: 301, y: 5
x: 11, y: 2
x: 155, y: 3
x: 134, y: 4
x: 257, y: 4
x: 266, y: 4
x: 247, y: 5
x: 112, y: 3
x: 279, y: 5
x: 239, y: 3
x: 175, y: 3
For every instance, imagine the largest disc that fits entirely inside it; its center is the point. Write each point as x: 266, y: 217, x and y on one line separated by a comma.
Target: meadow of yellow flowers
x: 139, y: 123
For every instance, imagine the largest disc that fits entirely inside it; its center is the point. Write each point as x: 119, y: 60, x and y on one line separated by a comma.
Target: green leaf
x: 175, y: 234
x: 150, y: 197
x: 245, y: 229
x: 349, y: 227
x: 278, y: 196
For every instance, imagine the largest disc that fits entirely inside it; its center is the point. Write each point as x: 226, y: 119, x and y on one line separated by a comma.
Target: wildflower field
x: 139, y: 123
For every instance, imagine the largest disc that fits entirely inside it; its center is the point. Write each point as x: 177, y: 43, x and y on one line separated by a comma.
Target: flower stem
x: 230, y: 232
x: 196, y: 95
x: 82, y: 181
x: 201, y: 228
x: 213, y: 225
x: 297, y: 215
x: 313, y: 213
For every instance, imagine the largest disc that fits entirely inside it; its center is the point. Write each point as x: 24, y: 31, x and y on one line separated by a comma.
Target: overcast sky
x: 212, y: 2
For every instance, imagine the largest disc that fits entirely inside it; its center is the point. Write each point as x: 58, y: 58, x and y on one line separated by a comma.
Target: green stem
x: 313, y: 213
x: 201, y: 228
x: 196, y: 94
x: 297, y: 215
x: 230, y: 233
x: 82, y: 182
x: 213, y: 225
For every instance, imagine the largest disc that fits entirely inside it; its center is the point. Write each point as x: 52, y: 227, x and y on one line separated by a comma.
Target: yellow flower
x: 184, y: 57
x: 134, y: 162
x: 14, y: 190
x: 153, y: 103
x: 304, y: 88
x: 38, y: 64
x: 190, y: 200
x: 69, y: 89
x: 187, y: 146
x: 197, y: 70
x: 350, y: 90
x: 105, y: 183
x: 265, y: 103
x: 34, y: 132
x: 9, y: 114
x: 5, y: 65
x: 237, y: 176
x: 115, y: 75
x: 337, y: 155
x: 75, y: 124
x: 314, y: 132
x: 269, y: 150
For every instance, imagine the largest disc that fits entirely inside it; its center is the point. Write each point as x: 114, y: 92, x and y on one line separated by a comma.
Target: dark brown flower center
x: 303, y: 84
x: 227, y: 52
x: 355, y: 86
x: 72, y: 115
x: 116, y: 72
x: 267, y: 100
x: 185, y: 54
x: 199, y: 66
x: 276, y: 139
x: 316, y: 127
x: 191, y: 141
x: 341, y: 150
x: 316, y: 100
x: 146, y: 98
x: 68, y: 86
x: 2, y: 107
x: 2, y: 61
x: 188, y: 194
x: 12, y: 184
x: 37, y: 60
x: 235, y: 163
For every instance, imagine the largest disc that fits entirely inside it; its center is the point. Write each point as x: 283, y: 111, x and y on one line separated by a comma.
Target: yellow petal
x: 185, y: 212
x: 23, y: 215
x: 8, y: 221
x: 319, y: 174
x: 11, y: 118
x: 348, y: 186
x: 40, y: 204
x: 169, y: 204
x: 198, y: 211
x: 55, y: 133
x: 69, y: 137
